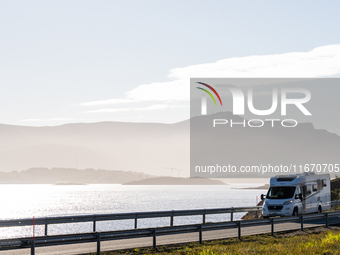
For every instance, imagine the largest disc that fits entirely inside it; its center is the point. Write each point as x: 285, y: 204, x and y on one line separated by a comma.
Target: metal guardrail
x: 40, y: 241
x: 333, y: 203
x: 125, y: 216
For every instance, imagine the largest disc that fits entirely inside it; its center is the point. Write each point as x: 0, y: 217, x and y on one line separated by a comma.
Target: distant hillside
x: 140, y: 147
x: 69, y: 175
x: 156, y: 148
x: 268, y: 146
x: 176, y: 181
x: 335, y: 189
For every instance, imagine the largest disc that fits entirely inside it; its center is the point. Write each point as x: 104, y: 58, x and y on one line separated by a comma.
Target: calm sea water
x: 26, y: 201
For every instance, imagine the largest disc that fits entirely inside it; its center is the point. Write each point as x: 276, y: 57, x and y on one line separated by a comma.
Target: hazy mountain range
x: 141, y: 147
x: 155, y: 148
x: 275, y: 146
x: 66, y: 176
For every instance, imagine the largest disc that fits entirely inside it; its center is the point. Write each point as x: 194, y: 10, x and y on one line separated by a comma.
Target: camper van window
x: 309, y: 189
x: 298, y: 191
x: 320, y: 184
x: 324, y: 182
x: 280, y: 192
x: 314, y: 188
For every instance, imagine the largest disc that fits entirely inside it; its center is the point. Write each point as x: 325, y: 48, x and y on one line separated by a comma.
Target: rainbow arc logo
x: 212, y: 89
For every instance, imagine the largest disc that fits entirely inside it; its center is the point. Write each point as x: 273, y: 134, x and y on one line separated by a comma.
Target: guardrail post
x: 94, y: 226
x: 272, y: 226
x: 232, y: 216
x: 301, y: 218
x: 135, y: 223
x: 45, y: 229
x: 203, y: 218
x: 326, y: 220
x: 239, y: 230
x: 33, y: 247
x: 200, y: 233
x: 172, y: 221
x: 98, y: 243
x: 154, y: 238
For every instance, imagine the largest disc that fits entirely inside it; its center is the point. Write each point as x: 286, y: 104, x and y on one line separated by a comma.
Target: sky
x: 91, y: 61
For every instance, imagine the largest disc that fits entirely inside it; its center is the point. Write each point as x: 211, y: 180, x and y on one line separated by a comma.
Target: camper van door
x: 309, y: 199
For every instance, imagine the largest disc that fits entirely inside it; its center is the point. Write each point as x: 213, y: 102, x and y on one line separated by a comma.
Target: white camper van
x: 297, y: 194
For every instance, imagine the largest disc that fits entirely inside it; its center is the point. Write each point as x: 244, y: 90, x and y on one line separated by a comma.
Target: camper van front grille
x: 274, y: 207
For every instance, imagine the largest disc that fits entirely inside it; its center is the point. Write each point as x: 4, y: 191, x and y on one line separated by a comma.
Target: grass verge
x: 313, y: 241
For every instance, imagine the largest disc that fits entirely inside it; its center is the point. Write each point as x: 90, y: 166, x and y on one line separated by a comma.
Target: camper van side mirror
x: 262, y: 197
x: 298, y: 196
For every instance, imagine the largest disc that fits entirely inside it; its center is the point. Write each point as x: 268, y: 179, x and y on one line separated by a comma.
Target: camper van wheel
x: 295, y: 212
x: 319, y: 209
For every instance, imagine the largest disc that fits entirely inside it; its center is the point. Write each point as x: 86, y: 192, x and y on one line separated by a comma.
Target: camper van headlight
x: 288, y: 202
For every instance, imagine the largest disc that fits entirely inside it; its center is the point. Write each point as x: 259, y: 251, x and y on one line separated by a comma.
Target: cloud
x: 109, y: 102
x: 32, y: 120
x: 148, y: 108
x: 51, y: 119
x: 320, y: 62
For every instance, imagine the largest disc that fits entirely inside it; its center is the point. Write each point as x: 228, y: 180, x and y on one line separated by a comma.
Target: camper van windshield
x: 280, y: 192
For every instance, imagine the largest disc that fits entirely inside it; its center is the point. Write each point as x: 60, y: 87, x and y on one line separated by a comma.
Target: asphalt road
x: 170, y: 239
